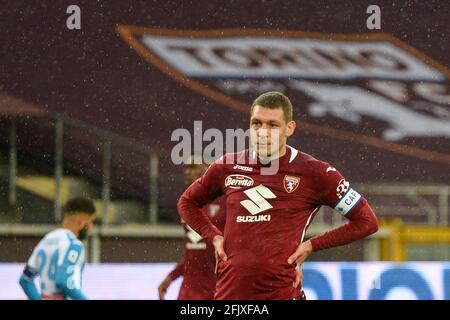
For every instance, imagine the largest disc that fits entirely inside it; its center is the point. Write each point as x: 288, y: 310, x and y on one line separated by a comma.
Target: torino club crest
x: 291, y: 183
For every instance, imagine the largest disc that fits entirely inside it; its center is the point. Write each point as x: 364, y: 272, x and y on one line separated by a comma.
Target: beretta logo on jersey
x: 291, y: 183
x: 360, y: 79
x: 237, y: 181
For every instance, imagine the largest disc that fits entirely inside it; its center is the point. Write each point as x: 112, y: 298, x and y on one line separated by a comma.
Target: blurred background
x: 91, y: 112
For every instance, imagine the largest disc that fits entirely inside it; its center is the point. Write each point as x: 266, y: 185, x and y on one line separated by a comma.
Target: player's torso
x: 267, y: 216
x: 273, y: 207
x: 50, y: 252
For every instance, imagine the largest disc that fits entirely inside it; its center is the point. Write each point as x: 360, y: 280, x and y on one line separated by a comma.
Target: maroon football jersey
x: 198, y: 264
x: 267, y: 216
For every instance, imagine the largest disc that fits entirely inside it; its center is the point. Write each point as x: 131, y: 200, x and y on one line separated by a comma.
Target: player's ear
x: 291, y: 125
x: 80, y: 220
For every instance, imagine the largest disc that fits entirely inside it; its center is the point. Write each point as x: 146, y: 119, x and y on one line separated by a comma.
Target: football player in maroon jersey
x: 268, y: 211
x: 198, y: 263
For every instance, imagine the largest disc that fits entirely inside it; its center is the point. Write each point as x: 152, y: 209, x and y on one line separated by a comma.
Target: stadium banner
x: 322, y: 281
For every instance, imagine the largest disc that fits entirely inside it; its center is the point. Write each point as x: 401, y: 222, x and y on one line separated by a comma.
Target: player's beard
x: 265, y: 153
x: 269, y: 149
x: 82, y: 234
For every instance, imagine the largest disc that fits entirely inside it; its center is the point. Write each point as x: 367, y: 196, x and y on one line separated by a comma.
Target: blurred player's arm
x: 177, y: 272
x: 68, y: 274
x: 26, y: 281
x: 203, y: 190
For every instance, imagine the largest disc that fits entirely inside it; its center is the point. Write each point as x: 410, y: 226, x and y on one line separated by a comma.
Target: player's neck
x: 274, y: 156
x: 71, y: 226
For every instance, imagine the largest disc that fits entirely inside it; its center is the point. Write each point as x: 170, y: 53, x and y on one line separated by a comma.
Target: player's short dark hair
x: 274, y: 100
x: 79, y: 204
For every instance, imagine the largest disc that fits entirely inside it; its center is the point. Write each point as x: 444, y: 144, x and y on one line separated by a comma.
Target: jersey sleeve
x: 334, y: 190
x: 205, y: 189
x: 363, y: 222
x: 209, y: 186
x: 68, y: 273
x: 220, y: 219
x: 26, y: 281
x: 33, y: 263
x: 30, y: 272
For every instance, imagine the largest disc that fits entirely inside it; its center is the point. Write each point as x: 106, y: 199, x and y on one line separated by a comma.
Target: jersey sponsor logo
x: 237, y: 181
x: 256, y: 204
x: 258, y: 218
x: 342, y: 188
x: 243, y: 168
x: 291, y: 183
x: 348, y: 202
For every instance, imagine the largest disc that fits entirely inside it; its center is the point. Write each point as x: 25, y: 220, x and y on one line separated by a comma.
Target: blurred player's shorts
x: 52, y: 297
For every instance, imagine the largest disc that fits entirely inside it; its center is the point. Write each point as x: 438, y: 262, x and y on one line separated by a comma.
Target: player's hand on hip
x: 163, y: 287
x: 302, y: 252
x: 218, y: 245
x: 219, y: 251
x: 298, y: 276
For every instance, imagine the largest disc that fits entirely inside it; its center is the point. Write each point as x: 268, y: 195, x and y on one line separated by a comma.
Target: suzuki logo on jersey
x: 256, y: 204
x: 263, y: 217
x: 237, y: 181
x: 291, y: 183
x: 342, y: 188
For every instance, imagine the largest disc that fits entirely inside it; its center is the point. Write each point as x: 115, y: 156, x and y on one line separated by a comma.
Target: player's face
x: 192, y: 172
x: 269, y: 131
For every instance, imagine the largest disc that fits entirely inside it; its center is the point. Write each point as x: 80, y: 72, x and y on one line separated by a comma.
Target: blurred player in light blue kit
x: 58, y: 259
